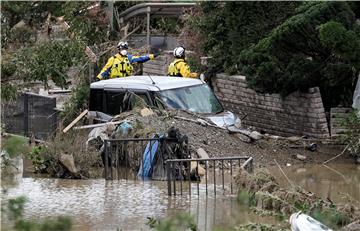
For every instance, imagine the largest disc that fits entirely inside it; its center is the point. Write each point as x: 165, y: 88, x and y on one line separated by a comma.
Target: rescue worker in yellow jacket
x: 120, y: 65
x: 179, y: 67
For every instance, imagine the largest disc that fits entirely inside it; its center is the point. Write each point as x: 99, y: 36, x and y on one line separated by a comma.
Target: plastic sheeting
x: 148, y: 159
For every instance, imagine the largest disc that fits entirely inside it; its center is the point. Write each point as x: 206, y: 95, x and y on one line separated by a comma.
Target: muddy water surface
x: 108, y: 205
x: 336, y: 182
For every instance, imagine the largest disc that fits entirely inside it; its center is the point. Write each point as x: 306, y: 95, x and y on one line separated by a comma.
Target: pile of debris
x: 265, y: 197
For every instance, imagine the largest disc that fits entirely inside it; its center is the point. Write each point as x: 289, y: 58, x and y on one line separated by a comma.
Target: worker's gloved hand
x: 156, y: 55
x: 98, y: 78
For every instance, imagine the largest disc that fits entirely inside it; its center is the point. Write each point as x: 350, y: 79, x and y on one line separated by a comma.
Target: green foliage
x: 317, y: 47
x: 33, y: 13
x: 8, y: 92
x: 165, y: 25
x: 352, y: 135
x: 262, y: 227
x: 330, y: 217
x: 12, y: 149
x: 230, y: 27
x: 15, y: 146
x: 245, y: 198
x: 50, y: 60
x: 44, y: 62
x: 22, y: 36
x: 88, y: 28
x: 77, y: 103
x: 37, y: 158
x: 14, y: 210
x: 181, y: 221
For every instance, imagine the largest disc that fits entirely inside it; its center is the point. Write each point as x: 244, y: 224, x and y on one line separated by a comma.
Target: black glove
x: 156, y: 55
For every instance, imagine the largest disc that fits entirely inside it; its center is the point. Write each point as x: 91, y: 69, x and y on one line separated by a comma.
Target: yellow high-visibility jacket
x: 180, y: 68
x: 121, y: 66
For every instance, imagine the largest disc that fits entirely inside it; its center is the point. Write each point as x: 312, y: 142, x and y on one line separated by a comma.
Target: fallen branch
x: 337, y: 172
x: 75, y: 121
x: 199, y: 122
x: 14, y: 135
x: 97, y: 125
x: 284, y: 173
x: 336, y: 155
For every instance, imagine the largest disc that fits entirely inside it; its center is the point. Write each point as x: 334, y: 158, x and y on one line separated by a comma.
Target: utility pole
x: 148, y: 27
x: 110, y: 10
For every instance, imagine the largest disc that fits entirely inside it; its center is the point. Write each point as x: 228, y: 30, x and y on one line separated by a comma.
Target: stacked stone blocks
x: 296, y: 114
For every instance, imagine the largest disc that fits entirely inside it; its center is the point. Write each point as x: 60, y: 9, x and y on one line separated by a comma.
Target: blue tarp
x: 148, y: 159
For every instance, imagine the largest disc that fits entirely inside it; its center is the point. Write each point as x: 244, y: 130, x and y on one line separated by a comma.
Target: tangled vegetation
x: 283, y: 47
x: 263, y: 195
x: 181, y: 221
x: 27, y: 59
x: 227, y: 28
x: 352, y: 135
x: 317, y: 47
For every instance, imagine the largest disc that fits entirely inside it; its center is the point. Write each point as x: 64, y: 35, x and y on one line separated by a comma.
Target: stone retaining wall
x: 296, y: 114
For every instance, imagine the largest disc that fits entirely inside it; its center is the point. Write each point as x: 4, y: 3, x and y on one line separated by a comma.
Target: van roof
x: 145, y: 83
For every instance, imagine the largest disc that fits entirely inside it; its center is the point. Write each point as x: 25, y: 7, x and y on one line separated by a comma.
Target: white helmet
x: 179, y: 52
x: 122, y: 45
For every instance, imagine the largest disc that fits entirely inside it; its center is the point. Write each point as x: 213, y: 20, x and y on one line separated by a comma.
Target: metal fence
x: 30, y: 114
x: 122, y: 158
x: 226, y: 165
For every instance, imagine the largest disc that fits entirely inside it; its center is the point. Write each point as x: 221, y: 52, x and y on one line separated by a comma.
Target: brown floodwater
x: 336, y: 182
x: 110, y: 205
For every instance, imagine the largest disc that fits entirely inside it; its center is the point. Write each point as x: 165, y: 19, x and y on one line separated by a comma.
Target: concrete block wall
x: 297, y: 114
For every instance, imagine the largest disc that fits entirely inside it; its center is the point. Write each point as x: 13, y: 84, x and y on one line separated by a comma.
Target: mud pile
x: 219, y: 142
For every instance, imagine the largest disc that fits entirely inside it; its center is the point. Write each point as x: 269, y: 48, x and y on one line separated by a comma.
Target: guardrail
x: 233, y: 163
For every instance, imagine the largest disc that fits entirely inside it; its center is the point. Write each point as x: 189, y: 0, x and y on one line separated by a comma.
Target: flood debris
x: 146, y: 112
x: 302, y: 222
x: 311, y: 147
x: 67, y: 160
x: 354, y: 226
x: 264, y: 196
x: 77, y: 119
x: 202, y: 154
x: 300, y: 157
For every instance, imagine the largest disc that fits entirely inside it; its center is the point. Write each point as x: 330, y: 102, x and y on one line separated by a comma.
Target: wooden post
x: 75, y: 121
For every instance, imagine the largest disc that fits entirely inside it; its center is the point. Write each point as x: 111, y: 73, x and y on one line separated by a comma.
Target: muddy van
x: 113, y: 96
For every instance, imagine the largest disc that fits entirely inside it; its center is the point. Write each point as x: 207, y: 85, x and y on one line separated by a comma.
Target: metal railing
x: 226, y: 164
x: 123, y: 157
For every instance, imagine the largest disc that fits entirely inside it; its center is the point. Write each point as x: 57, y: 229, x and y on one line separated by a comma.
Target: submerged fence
x: 155, y: 158
x: 227, y: 165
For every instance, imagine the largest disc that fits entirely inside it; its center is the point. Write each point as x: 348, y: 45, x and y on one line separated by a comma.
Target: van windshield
x: 199, y: 99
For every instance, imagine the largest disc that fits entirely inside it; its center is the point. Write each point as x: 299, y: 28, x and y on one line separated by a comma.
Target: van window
x: 96, y: 100
x: 115, y: 104
x: 114, y: 101
x: 199, y: 99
